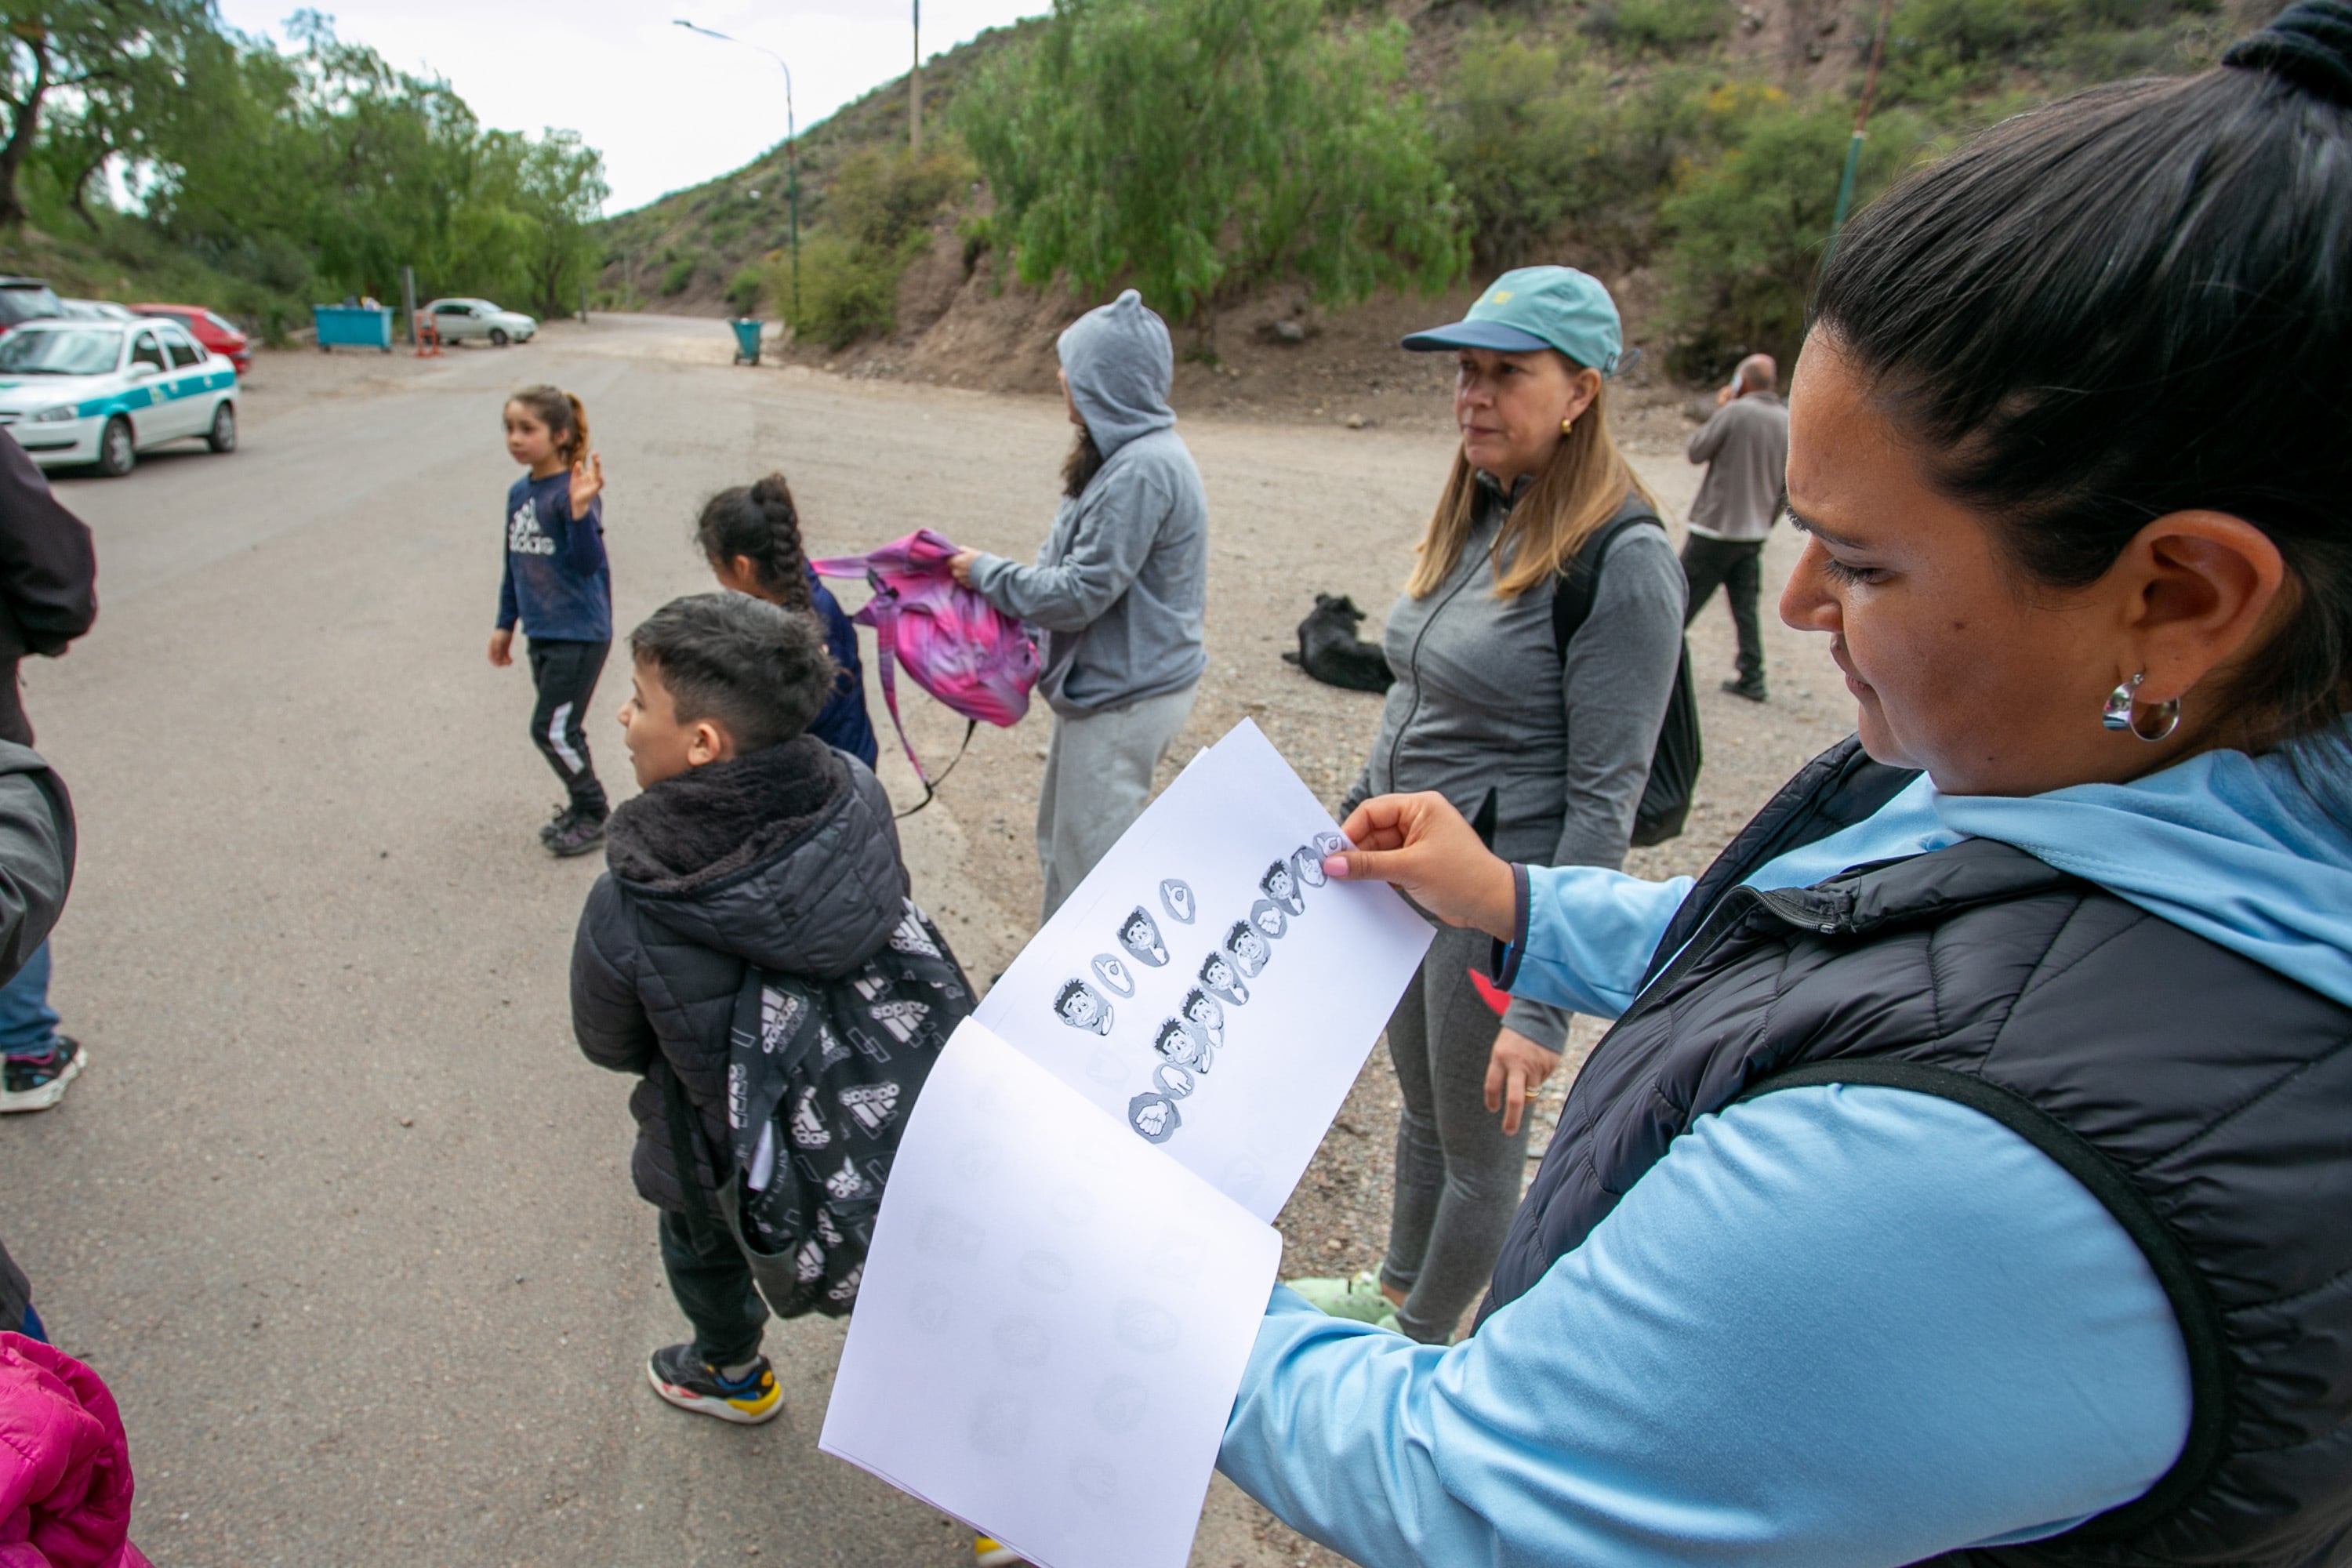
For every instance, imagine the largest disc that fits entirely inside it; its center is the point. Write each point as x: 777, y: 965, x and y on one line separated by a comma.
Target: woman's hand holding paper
x: 1419, y: 844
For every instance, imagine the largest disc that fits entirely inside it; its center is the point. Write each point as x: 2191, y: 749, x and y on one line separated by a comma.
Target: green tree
x: 76, y: 78
x: 1201, y: 147
x: 1745, y: 232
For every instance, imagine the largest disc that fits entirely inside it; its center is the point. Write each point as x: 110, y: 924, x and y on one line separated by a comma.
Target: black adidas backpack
x: 820, y: 1078
x: 1674, y: 766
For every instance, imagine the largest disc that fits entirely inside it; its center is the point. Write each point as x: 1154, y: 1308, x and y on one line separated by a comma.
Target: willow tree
x: 1199, y: 148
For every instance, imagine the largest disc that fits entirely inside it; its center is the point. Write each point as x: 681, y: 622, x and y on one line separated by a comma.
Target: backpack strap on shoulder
x: 1579, y: 579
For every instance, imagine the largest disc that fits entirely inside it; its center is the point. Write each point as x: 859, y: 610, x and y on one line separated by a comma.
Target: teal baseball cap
x: 1535, y: 308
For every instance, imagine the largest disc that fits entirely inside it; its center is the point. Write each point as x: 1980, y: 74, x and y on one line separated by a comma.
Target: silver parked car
x: 457, y: 320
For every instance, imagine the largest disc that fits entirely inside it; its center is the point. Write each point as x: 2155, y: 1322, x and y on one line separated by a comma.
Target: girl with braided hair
x: 751, y: 534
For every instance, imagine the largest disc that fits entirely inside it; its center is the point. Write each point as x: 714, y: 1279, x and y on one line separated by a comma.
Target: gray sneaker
x: 577, y: 836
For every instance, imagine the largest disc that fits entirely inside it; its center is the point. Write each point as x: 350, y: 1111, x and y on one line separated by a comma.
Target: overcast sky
x: 667, y: 108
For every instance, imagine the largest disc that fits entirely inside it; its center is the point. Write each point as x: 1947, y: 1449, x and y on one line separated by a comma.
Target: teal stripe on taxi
x: 116, y: 402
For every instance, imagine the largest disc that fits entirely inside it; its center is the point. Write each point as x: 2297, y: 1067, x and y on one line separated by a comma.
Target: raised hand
x: 587, y: 482
x: 1419, y: 844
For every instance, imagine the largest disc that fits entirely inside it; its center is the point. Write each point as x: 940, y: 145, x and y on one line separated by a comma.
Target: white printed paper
x: 1208, y: 985
x: 1073, y: 1256
x: 1052, y: 1322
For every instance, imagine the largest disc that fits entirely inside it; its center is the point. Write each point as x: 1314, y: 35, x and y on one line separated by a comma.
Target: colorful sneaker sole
x: 43, y: 1095
x: 766, y: 1407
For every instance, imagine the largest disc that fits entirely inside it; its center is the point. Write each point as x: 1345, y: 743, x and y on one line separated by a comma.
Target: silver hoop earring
x: 2122, y: 712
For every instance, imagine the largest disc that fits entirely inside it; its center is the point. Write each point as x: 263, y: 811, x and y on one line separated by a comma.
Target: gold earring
x: 1566, y: 425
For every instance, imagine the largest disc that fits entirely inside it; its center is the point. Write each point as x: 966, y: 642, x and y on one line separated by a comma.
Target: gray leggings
x: 1457, y: 1176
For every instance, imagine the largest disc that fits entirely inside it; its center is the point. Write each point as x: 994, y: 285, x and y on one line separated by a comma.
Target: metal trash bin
x: 353, y: 326
x: 747, y: 339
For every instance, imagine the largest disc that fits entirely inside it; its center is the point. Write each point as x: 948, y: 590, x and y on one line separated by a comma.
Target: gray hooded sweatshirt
x: 1121, y: 581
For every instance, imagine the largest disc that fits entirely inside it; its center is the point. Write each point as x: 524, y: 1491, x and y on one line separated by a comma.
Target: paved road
x: 338, y: 1210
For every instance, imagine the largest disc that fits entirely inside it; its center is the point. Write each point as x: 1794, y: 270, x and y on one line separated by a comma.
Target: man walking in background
x: 1746, y: 450
x: 49, y: 596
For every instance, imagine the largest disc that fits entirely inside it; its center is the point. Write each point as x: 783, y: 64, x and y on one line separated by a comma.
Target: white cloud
x: 667, y: 108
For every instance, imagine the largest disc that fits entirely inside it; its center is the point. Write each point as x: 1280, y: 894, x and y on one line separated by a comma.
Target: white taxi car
x: 103, y: 392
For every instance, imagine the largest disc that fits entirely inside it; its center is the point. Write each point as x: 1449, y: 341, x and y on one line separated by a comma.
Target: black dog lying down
x: 1330, y: 651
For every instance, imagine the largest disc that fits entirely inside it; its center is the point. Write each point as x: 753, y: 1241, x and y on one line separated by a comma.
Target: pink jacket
x: 65, y: 1465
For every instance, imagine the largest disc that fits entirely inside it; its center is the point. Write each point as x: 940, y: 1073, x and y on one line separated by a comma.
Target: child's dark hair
x: 564, y: 415
x: 2137, y: 302
x: 758, y: 672
x: 760, y: 522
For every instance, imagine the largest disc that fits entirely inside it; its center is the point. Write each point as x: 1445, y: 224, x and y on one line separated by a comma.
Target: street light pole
x: 792, y: 153
x: 1860, y: 128
x: 915, y: 90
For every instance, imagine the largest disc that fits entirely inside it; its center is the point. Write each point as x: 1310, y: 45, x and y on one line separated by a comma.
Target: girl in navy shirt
x: 558, y: 586
x: 751, y: 535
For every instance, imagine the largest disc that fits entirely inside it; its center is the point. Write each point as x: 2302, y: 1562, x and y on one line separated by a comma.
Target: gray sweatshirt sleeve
x: 1119, y: 518
x: 1619, y: 673
x: 1707, y: 439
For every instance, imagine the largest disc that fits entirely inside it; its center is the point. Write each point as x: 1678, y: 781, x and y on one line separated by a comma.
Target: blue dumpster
x: 747, y: 339
x: 354, y: 326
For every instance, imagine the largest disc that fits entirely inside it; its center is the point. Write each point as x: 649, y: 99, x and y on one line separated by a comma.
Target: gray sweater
x: 1120, y: 586
x: 1483, y: 701
x: 1746, y: 450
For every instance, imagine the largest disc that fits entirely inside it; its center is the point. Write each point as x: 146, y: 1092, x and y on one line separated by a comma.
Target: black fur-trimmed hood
x: 786, y: 858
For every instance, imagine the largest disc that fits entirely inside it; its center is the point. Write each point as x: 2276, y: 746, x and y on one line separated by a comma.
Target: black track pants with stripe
x: 565, y: 674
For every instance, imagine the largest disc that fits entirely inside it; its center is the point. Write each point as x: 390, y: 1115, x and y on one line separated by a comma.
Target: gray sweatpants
x: 1098, y: 779
x: 1457, y: 1176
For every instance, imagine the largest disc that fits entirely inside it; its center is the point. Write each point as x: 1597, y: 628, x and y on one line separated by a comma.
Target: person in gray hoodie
x: 1120, y: 589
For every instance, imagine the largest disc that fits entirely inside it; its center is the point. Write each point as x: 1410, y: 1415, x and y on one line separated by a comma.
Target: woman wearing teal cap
x: 1547, y: 746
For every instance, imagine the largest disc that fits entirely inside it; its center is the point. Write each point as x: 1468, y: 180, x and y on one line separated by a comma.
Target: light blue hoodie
x: 1120, y: 586
x: 1832, y: 1326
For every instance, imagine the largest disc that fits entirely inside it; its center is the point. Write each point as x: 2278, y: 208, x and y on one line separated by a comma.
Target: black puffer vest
x: 2206, y: 1100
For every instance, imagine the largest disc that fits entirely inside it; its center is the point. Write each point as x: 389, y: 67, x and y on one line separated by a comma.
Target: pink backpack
x: 955, y: 645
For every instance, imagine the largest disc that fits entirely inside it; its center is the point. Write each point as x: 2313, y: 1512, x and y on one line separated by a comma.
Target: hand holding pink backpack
x: 954, y: 644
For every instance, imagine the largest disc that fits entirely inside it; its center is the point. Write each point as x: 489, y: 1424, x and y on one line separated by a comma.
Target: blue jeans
x: 28, y: 1025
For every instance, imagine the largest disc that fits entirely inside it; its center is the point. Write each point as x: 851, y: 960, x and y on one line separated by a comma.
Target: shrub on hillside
x: 676, y: 275
x: 743, y: 290
x: 1746, y: 231
x: 846, y: 292
x: 1660, y: 24
x: 875, y: 219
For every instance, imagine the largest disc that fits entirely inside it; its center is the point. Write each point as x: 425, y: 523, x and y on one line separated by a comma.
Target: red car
x: 209, y: 329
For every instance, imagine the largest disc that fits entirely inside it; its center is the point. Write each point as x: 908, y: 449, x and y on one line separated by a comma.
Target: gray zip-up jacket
x: 1120, y: 586
x: 1746, y: 450
x: 1483, y: 701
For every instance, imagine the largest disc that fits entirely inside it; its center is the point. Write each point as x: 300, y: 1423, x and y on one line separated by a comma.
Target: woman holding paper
x: 1966, y: 1176
x: 1544, y: 742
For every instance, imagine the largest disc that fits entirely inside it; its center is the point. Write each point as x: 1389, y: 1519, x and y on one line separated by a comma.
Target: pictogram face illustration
x: 1247, y: 948
x: 1205, y: 1014
x: 1081, y: 1006
x: 1224, y: 981
x: 1139, y: 934
x: 1282, y: 888
x: 1179, y: 1043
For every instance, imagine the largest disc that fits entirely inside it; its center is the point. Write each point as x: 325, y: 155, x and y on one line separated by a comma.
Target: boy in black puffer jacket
x: 754, y: 845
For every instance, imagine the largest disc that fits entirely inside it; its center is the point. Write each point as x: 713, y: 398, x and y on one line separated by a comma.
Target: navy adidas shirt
x: 842, y: 723
x: 557, y: 582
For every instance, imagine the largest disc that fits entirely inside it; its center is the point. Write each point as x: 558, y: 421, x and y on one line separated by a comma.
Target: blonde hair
x: 563, y: 415
x: 1578, y: 491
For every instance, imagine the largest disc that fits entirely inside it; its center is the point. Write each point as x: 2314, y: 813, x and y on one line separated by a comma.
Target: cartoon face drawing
x: 1307, y: 867
x: 1081, y: 1006
x: 1218, y: 973
x: 1267, y: 916
x: 1248, y: 949
x: 1173, y: 1081
x: 1154, y: 1117
x: 1139, y: 934
x: 1116, y: 977
x: 1280, y: 886
x: 1179, y: 1043
x: 1176, y: 898
x: 1207, y: 1017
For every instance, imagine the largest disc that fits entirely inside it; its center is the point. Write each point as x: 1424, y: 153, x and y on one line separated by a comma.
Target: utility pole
x: 408, y: 300
x: 1860, y: 128
x: 915, y: 90
x: 792, y: 153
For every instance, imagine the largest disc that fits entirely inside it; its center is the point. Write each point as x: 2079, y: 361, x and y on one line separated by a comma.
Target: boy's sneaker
x: 557, y: 822
x: 577, y: 836
x: 1359, y: 1299
x: 987, y: 1553
x: 685, y: 1379
x: 35, y: 1083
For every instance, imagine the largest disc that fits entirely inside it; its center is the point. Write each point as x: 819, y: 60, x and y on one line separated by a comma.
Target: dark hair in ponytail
x: 761, y: 523
x: 2136, y: 301
x: 564, y: 415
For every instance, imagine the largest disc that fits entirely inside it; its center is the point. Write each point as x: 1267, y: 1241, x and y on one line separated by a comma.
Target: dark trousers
x: 712, y: 1285
x: 1735, y: 566
x: 565, y: 674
